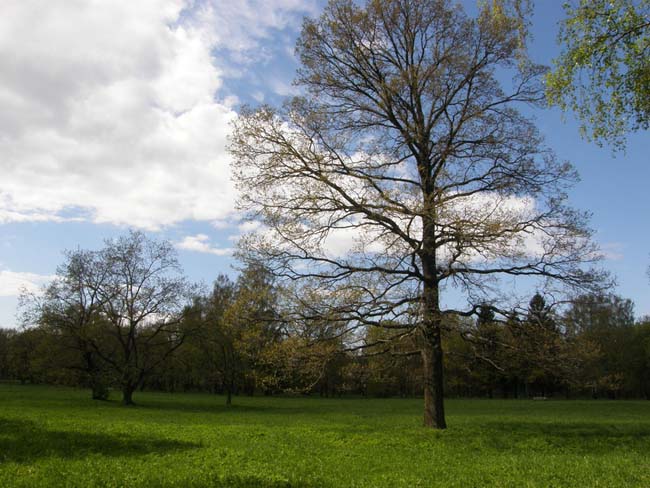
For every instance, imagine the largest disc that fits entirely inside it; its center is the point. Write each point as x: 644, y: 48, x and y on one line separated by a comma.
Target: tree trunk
x: 99, y: 389
x: 229, y: 387
x: 127, y: 394
x: 95, y: 378
x: 434, y: 410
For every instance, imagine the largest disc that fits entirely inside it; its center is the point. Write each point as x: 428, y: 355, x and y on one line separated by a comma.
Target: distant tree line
x: 125, y: 318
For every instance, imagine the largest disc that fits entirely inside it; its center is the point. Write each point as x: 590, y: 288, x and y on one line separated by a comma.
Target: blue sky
x: 114, y: 115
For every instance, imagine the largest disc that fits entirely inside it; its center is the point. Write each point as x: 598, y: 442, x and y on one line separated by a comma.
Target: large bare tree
x: 407, y: 168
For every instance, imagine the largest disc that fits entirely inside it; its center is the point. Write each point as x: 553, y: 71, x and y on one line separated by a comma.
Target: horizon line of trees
x: 126, y: 318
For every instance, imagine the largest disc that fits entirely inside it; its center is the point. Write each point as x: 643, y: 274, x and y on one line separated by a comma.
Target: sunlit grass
x: 59, y: 437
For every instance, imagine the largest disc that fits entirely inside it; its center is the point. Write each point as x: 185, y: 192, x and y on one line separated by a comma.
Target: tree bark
x: 99, y: 389
x: 432, y: 358
x: 229, y: 388
x: 434, y: 410
x: 95, y: 378
x: 127, y: 394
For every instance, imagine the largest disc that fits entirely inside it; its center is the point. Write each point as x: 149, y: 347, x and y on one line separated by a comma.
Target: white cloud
x: 258, y: 96
x: 29, y: 216
x: 201, y: 243
x: 13, y: 282
x: 112, y: 108
x: 249, y: 226
x: 283, y: 88
x: 244, y: 27
x: 612, y: 251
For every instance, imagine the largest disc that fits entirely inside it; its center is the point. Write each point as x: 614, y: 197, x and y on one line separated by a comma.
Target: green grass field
x: 59, y: 437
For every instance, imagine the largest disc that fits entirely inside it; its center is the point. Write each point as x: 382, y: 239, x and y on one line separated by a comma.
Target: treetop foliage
x: 603, y: 71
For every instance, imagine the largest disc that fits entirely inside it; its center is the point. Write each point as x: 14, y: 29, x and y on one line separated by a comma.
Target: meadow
x: 59, y: 437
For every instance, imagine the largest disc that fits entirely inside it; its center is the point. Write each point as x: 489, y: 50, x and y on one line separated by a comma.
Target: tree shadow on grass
x: 23, y: 441
x: 580, y: 438
x: 207, y: 407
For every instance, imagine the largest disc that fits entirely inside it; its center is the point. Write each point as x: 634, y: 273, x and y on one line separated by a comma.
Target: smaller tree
x: 22, y: 355
x: 68, y: 309
x: 237, y: 333
x: 607, y: 322
x: 5, y: 343
x: 541, y: 344
x: 144, y: 299
x: 122, y: 308
x: 254, y: 316
x: 640, y: 358
x: 216, y: 338
x: 487, y: 348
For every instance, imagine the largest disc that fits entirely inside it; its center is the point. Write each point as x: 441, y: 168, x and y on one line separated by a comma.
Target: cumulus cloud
x: 113, y: 111
x: 244, y: 27
x: 12, y: 282
x: 201, y: 243
x: 7, y: 216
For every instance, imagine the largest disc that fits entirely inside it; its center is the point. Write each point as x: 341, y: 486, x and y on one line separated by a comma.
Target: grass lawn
x: 59, y: 437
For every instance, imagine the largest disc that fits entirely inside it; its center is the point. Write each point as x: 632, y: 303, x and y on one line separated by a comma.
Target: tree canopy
x: 603, y: 72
